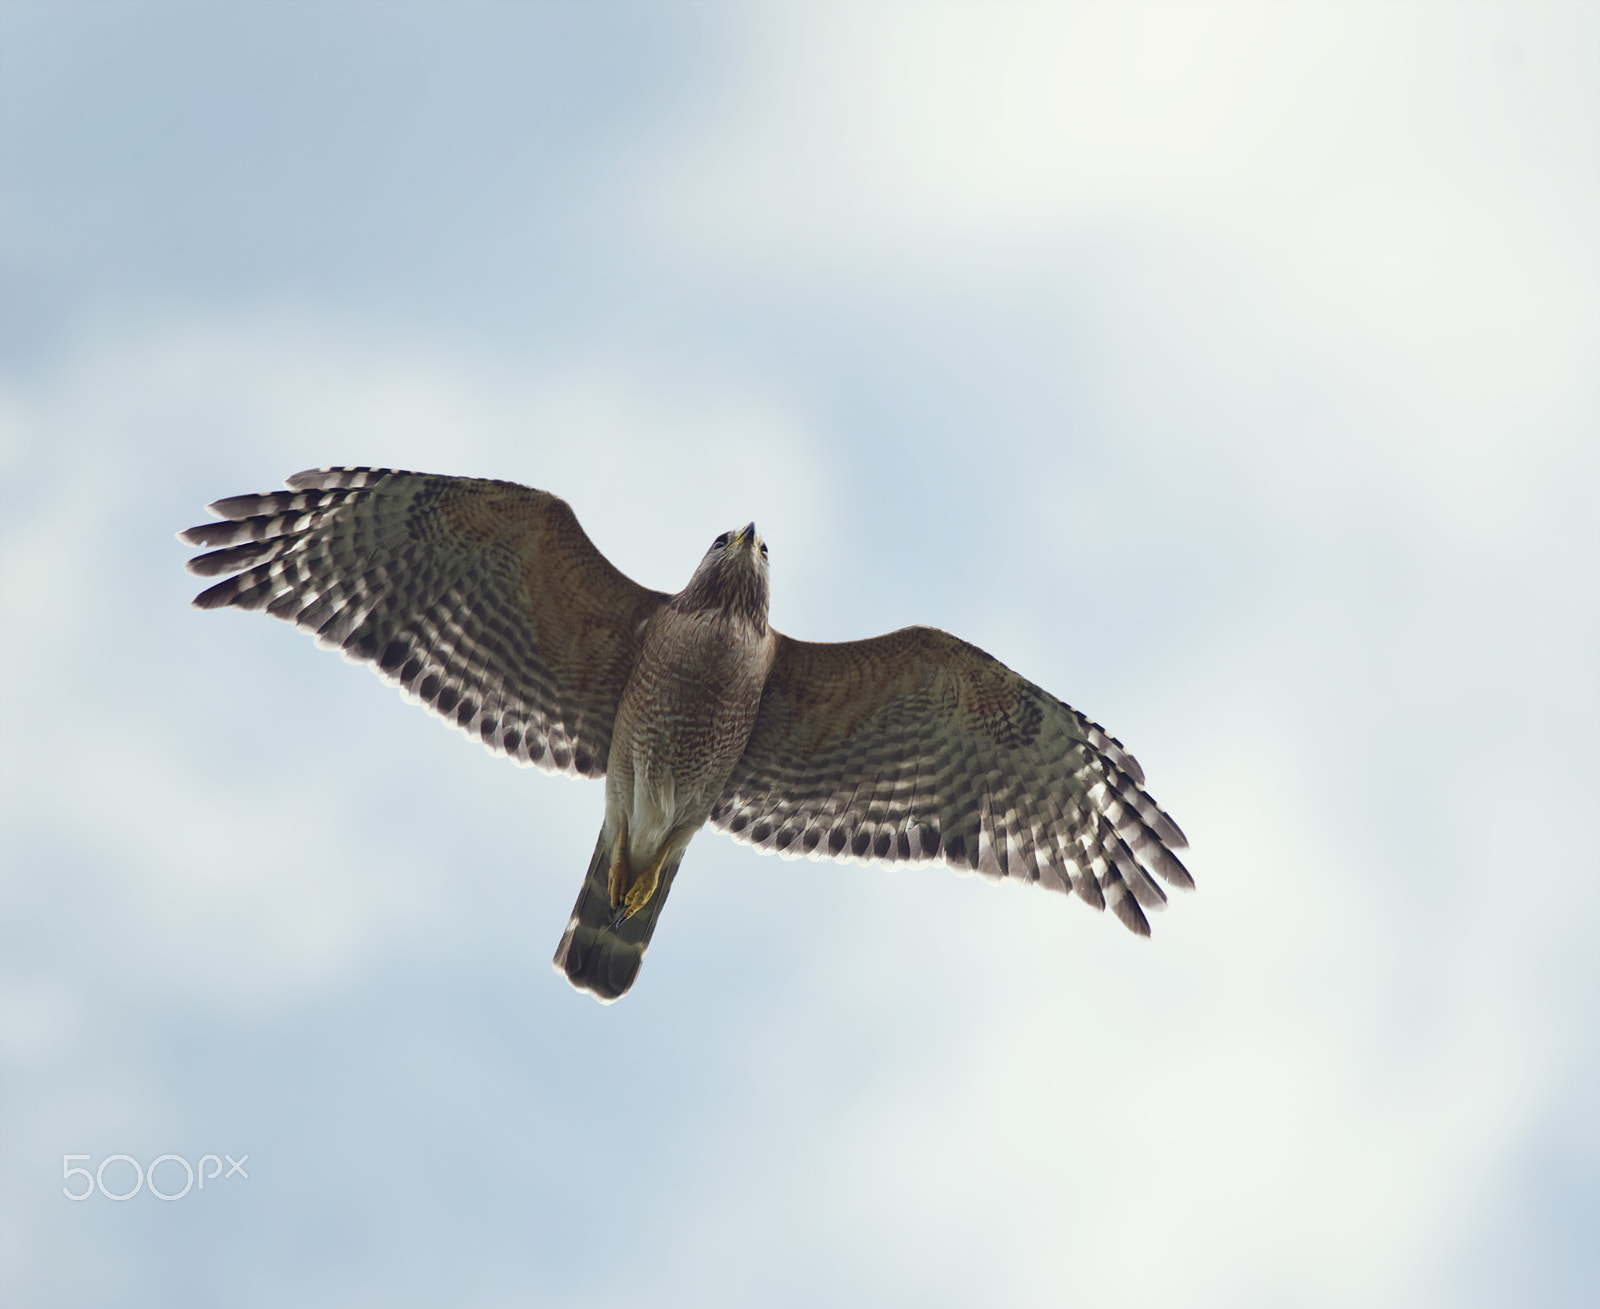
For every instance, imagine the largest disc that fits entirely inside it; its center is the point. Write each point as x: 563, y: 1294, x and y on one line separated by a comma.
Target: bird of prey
x: 486, y: 602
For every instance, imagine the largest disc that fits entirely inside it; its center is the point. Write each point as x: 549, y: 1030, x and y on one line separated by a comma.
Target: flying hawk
x: 486, y: 602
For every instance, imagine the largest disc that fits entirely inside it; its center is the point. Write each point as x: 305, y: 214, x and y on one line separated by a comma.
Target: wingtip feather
x: 1130, y: 915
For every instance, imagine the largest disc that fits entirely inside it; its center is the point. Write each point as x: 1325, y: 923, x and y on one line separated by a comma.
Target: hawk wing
x: 917, y: 746
x: 483, y: 600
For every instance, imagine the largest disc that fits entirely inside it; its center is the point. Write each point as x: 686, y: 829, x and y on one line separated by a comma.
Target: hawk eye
x: 763, y: 549
x: 721, y: 541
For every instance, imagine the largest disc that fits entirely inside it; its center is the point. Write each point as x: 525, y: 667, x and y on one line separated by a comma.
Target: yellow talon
x: 643, y: 888
x: 620, y: 875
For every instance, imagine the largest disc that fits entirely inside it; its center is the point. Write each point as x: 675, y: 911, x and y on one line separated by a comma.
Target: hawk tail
x: 594, y: 955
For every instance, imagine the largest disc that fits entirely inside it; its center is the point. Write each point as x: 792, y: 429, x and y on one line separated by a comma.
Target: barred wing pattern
x: 483, y: 600
x: 917, y: 746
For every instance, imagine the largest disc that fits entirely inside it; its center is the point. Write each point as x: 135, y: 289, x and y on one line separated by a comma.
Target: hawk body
x: 486, y: 602
x: 685, y: 716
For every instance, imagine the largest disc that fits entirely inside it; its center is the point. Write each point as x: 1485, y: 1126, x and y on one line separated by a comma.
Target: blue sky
x: 1229, y: 371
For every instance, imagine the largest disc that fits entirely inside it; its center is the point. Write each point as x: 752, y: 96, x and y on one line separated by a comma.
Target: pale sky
x: 1231, y: 371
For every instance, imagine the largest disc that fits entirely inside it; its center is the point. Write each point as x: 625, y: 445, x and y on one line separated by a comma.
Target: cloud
x: 1228, y: 371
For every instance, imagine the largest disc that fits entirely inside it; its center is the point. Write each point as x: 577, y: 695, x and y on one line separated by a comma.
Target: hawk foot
x: 642, y: 889
x: 638, y: 895
x: 629, y: 894
x: 619, y: 877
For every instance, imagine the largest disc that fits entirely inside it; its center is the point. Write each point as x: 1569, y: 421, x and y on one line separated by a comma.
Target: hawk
x: 486, y: 602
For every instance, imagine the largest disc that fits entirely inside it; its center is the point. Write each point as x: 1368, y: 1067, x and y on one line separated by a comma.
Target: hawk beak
x: 747, y: 535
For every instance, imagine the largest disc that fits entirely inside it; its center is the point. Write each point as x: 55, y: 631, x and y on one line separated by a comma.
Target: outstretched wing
x: 483, y: 600
x: 917, y: 746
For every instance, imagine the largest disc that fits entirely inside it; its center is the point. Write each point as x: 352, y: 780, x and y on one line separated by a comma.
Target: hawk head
x: 732, y: 578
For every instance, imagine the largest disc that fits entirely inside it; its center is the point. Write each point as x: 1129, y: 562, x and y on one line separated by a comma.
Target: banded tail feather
x: 596, y: 956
